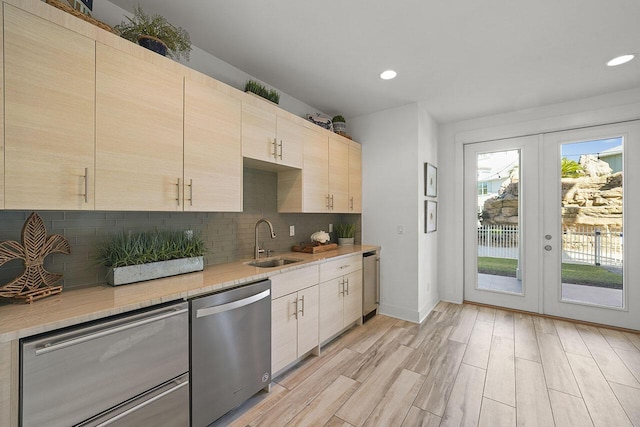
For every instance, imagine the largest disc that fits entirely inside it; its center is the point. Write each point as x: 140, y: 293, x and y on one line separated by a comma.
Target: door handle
x: 548, y: 248
x: 203, y: 312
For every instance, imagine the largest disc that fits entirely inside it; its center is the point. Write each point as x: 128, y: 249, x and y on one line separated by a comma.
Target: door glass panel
x: 498, y: 204
x: 592, y: 222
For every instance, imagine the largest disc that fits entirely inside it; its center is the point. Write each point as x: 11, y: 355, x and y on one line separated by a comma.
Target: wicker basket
x: 64, y: 6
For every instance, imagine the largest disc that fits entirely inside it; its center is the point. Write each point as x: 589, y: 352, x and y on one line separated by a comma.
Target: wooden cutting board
x: 310, y: 248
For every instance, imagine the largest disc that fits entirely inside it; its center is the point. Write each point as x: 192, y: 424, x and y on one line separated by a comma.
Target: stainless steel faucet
x: 256, y: 249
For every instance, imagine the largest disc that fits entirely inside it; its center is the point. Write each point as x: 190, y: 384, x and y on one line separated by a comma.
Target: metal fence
x: 592, y: 245
x: 580, y: 245
x: 498, y: 241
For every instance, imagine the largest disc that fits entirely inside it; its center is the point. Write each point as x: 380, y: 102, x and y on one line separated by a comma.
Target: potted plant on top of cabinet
x: 339, y: 125
x: 156, y: 33
x: 346, y: 233
x: 135, y: 257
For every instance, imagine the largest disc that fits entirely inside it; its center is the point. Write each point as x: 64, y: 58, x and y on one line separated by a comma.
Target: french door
x: 550, y: 220
x: 502, y: 262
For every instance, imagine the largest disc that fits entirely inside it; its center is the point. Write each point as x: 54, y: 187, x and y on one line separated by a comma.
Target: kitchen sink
x: 273, y: 262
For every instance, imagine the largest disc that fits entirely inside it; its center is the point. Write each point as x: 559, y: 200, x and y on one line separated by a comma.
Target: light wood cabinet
x: 330, y: 180
x: 49, y: 85
x: 338, y: 175
x: 139, y: 134
x: 268, y: 137
x: 355, y: 178
x: 212, y: 150
x: 340, y: 295
x: 294, y: 316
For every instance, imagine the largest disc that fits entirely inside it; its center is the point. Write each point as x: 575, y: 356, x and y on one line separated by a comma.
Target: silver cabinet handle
x: 178, y: 188
x: 302, y: 311
x: 295, y: 311
x: 331, y: 202
x: 328, y: 205
x: 347, y: 286
x: 49, y: 347
x: 351, y: 202
x: 191, y: 192
x: 280, y: 155
x: 143, y: 404
x: 342, y: 267
x: 275, y: 149
x: 341, y: 291
x: 86, y: 185
x: 203, y: 312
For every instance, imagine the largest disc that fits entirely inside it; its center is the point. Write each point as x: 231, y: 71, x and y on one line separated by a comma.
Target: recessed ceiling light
x: 388, y: 75
x: 619, y: 60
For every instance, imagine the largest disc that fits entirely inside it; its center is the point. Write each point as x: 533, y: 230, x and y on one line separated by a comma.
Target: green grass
x: 579, y: 274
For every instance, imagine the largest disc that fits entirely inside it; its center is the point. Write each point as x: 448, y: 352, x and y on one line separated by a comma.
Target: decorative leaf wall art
x: 35, y: 282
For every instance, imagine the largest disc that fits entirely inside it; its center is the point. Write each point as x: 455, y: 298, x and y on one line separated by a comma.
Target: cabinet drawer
x: 293, y: 281
x: 70, y: 376
x: 340, y: 267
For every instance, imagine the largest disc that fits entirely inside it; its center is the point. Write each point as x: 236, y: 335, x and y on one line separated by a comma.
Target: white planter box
x: 154, y: 270
x: 345, y: 241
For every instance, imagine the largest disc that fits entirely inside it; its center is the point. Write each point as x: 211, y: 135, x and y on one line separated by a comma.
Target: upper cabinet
x: 212, y: 149
x: 139, y: 134
x: 330, y: 180
x: 355, y: 177
x: 49, y: 85
x: 269, y: 137
x: 338, y: 174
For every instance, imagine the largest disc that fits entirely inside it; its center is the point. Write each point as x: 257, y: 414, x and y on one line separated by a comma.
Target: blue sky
x: 572, y: 151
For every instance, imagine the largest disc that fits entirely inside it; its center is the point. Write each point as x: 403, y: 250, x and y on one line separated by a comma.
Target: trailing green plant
x: 175, y: 38
x: 345, y: 230
x: 338, y: 119
x: 260, y: 90
x: 125, y: 249
x: 571, y: 168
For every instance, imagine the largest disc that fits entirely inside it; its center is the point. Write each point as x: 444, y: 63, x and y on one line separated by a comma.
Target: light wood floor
x: 464, y: 365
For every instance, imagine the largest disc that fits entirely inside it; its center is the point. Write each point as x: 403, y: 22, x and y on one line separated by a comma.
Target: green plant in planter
x: 345, y: 231
x: 338, y: 119
x: 339, y: 124
x: 176, y: 39
x: 260, y: 90
x: 126, y: 249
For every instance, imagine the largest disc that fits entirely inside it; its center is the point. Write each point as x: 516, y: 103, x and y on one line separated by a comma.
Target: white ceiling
x: 464, y: 59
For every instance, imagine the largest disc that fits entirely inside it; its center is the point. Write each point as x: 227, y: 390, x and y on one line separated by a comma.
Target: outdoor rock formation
x: 594, y: 199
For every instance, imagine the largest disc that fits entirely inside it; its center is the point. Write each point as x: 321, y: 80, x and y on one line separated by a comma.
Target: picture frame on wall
x: 430, y: 216
x: 430, y: 180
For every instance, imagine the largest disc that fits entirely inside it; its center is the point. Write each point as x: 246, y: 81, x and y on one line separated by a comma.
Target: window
x: 483, y: 188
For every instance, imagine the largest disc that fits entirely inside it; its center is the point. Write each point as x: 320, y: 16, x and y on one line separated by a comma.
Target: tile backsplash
x: 229, y: 236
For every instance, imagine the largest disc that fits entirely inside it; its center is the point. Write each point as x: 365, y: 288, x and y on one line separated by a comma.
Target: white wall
x: 206, y: 63
x: 609, y: 108
x: 395, y: 144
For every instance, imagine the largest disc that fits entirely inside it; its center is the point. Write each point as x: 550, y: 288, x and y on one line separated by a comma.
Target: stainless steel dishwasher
x: 230, y: 349
x: 128, y: 370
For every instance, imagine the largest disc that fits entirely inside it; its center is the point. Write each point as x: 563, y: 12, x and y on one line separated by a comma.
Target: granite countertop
x: 76, y: 306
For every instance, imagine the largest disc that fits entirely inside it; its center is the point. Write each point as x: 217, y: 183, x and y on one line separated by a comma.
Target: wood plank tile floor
x: 464, y: 365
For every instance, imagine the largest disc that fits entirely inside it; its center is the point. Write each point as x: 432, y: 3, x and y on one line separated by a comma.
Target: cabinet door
x: 308, y: 312
x: 283, y: 332
x: 212, y: 150
x: 315, y: 172
x: 339, y: 175
x: 290, y: 140
x: 258, y: 133
x: 49, y: 82
x: 353, y: 297
x: 331, y: 308
x: 355, y: 178
x: 139, y: 134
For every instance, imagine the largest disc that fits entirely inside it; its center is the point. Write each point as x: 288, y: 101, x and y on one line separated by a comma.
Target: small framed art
x: 430, y: 180
x: 430, y: 216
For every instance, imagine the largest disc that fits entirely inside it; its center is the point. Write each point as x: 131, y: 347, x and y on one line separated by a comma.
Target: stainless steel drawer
x: 165, y: 405
x: 70, y: 376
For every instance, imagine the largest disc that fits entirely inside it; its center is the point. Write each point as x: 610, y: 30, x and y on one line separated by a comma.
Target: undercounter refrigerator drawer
x: 70, y: 376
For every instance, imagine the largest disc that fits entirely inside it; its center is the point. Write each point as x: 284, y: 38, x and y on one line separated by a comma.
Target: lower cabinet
x: 340, y: 295
x: 294, y: 316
